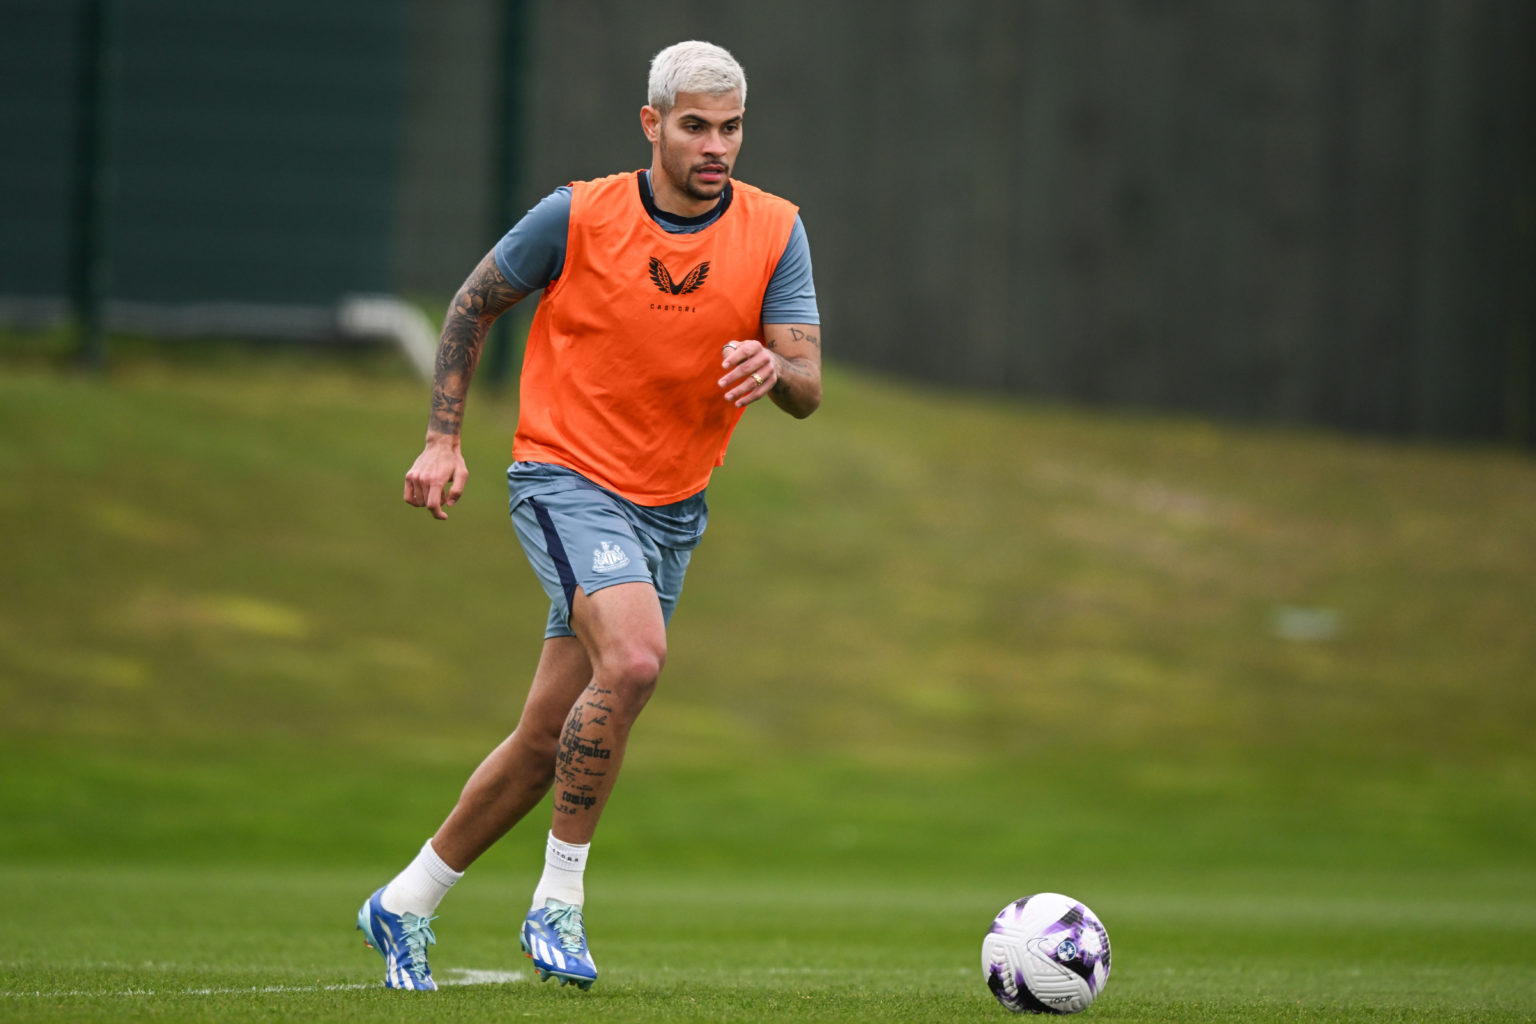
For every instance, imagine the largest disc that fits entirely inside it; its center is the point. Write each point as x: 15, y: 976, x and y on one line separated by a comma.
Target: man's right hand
x: 437, y: 478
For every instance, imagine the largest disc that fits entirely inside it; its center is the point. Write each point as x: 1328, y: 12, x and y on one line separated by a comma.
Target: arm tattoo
x: 798, y: 388
x: 795, y: 366
x: 480, y: 300
x: 799, y: 335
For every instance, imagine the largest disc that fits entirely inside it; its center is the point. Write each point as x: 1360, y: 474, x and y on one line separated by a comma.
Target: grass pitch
x: 1260, y: 698
x: 115, y: 943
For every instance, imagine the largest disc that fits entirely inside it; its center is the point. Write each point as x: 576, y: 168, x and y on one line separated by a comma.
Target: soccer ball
x: 1046, y: 953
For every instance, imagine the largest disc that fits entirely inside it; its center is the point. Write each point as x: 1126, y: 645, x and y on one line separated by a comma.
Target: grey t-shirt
x: 532, y: 254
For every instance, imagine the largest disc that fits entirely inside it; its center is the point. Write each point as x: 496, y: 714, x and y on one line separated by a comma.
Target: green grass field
x: 1262, y: 698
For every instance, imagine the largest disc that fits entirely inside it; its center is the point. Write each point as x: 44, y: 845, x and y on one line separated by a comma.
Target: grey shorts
x: 580, y: 535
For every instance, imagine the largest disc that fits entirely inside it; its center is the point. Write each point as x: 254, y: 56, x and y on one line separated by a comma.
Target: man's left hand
x: 750, y: 372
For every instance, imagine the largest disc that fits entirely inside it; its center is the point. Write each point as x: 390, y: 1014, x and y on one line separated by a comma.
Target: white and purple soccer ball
x: 1046, y: 953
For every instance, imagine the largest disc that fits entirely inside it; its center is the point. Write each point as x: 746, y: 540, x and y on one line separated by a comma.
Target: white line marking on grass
x: 458, y: 976
x: 473, y: 976
x: 252, y: 989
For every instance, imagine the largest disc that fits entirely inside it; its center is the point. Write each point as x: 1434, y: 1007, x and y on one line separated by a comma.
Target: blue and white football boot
x: 402, y: 940
x: 556, y: 942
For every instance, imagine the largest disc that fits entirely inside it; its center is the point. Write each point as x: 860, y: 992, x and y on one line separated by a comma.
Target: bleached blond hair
x: 693, y: 66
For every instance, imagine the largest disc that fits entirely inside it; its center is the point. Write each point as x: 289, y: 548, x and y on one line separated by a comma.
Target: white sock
x: 564, y: 865
x: 421, y: 886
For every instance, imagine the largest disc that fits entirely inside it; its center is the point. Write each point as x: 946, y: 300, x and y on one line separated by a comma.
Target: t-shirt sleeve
x: 532, y: 254
x: 791, y: 294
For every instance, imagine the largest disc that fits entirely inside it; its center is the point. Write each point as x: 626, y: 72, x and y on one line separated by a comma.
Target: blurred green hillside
x: 1261, y: 698
x: 916, y: 615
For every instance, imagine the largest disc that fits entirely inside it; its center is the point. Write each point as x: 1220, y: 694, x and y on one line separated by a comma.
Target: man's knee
x: 626, y: 640
x: 631, y: 671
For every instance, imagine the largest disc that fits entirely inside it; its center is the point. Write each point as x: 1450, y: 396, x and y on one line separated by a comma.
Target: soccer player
x: 674, y: 297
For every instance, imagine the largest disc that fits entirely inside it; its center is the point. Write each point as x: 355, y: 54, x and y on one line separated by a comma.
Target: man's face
x: 697, y: 142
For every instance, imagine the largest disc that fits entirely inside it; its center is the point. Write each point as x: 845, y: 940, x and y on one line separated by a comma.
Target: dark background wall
x: 39, y: 68
x: 251, y: 149
x: 1321, y: 211
x: 448, y: 208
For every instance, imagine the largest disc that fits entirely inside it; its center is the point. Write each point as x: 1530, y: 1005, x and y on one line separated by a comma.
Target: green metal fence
x: 1320, y: 211
x: 242, y: 151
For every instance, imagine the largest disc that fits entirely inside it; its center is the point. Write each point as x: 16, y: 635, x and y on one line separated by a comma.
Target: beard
x: 699, y: 190
x: 681, y: 174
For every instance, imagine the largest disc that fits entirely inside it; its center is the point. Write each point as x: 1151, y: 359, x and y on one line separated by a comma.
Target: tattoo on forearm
x: 481, y: 299
x: 797, y: 367
x: 801, y: 366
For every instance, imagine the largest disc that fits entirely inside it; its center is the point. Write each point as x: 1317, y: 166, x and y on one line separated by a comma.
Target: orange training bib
x: 619, y: 377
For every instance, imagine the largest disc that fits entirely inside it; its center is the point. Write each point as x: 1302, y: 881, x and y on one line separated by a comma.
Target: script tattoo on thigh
x: 581, y: 762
